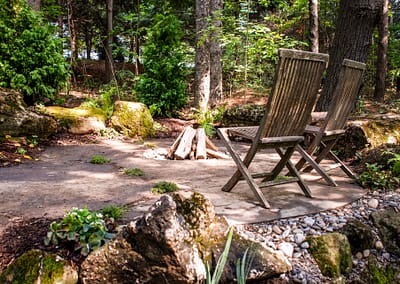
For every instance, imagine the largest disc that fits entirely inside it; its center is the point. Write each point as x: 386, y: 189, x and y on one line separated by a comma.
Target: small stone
x: 299, y: 238
x: 285, y: 233
x: 276, y: 230
x: 379, y: 245
x: 373, y: 203
x: 297, y: 254
x: 359, y: 255
x: 309, y: 221
x: 305, y: 245
x: 286, y: 248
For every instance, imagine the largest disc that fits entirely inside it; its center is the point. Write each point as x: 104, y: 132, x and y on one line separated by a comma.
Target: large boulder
x: 171, y: 243
x: 332, y: 253
x: 16, y: 119
x: 388, y: 224
x: 36, y: 266
x: 360, y: 235
x: 78, y: 120
x: 132, y: 119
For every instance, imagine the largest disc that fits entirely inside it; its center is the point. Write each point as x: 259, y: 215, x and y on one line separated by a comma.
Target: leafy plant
x: 243, y: 266
x: 164, y: 187
x: 134, y: 172
x: 114, y: 212
x: 20, y: 151
x: 206, y: 119
x: 31, y: 60
x: 219, y: 268
x: 162, y: 85
x: 99, y: 159
x: 376, y: 178
x: 85, y: 229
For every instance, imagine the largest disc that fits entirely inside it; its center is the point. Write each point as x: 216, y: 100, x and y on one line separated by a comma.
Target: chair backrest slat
x: 345, y: 94
x: 297, y: 80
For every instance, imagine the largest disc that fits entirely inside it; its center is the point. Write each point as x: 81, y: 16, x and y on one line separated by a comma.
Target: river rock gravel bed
x: 289, y: 236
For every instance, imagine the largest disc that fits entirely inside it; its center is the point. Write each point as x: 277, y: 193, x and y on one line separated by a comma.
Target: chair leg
x: 344, y: 168
x: 294, y: 172
x: 316, y: 167
x: 242, y: 170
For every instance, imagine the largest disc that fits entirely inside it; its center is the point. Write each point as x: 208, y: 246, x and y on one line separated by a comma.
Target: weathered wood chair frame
x: 297, y: 80
x: 324, y: 138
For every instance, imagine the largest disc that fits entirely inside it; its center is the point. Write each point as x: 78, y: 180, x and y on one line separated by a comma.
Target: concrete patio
x: 64, y: 178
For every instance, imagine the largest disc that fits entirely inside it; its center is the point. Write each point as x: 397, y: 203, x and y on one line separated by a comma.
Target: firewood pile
x: 194, y: 144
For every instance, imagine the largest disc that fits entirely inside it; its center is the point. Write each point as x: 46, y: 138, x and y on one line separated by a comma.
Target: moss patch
x: 34, y: 266
x: 332, y: 253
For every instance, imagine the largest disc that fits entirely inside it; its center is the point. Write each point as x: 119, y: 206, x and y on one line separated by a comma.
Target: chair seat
x: 311, y: 129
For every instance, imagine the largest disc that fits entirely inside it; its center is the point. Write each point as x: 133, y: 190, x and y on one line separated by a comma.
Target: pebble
x: 289, y: 235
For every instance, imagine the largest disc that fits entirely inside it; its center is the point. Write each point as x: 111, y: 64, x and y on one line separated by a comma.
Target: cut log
x: 194, y: 144
x: 216, y: 154
x: 172, y: 149
x: 201, y: 144
x: 185, y: 144
x: 210, y: 144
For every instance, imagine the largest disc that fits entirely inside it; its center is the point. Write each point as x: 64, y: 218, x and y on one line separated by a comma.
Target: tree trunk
x: 314, y: 35
x: 353, y: 37
x: 109, y: 67
x: 202, y: 68
x: 35, y: 5
x: 381, y: 65
x: 216, y: 91
x: 72, y: 31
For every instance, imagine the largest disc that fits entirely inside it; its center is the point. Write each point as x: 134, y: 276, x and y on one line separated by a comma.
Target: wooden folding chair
x: 297, y: 79
x: 324, y: 138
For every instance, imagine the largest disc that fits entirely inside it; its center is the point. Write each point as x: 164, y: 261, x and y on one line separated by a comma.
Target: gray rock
x: 169, y: 244
x: 16, y: 119
x: 388, y: 224
x: 360, y: 235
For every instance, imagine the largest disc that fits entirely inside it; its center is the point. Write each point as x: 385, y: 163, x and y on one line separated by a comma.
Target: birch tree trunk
x: 381, y: 66
x: 216, y: 90
x: 353, y: 37
x: 202, y: 68
x: 314, y: 35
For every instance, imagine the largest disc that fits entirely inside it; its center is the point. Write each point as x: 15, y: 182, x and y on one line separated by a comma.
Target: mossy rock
x: 36, y: 266
x: 332, y: 253
x: 360, y: 235
x: 379, y: 273
x: 79, y: 120
x: 132, y: 119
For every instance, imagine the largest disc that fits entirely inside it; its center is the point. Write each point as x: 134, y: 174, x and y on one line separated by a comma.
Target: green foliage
x: 114, y: 212
x: 250, y: 47
x: 219, y: 268
x: 99, y: 160
x: 164, y: 187
x: 86, y: 229
x: 206, y: 119
x: 30, y: 55
x: 163, y: 84
x: 377, y: 178
x: 134, y: 172
x: 243, y: 267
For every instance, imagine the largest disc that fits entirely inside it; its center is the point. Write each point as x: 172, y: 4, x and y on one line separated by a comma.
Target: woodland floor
x: 24, y: 234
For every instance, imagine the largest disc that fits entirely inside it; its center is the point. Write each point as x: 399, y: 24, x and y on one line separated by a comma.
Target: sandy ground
x: 64, y: 178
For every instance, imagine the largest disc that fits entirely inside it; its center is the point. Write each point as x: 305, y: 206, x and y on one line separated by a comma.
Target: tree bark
x: 109, y: 66
x: 216, y: 90
x: 314, y: 35
x: 202, y: 65
x: 353, y: 37
x: 381, y: 65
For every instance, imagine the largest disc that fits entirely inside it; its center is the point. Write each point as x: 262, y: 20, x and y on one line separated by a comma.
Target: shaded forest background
x: 171, y: 53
